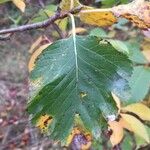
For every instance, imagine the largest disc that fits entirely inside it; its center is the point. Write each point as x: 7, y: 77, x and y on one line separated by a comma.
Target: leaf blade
x: 137, y: 126
x: 139, y: 109
x: 62, y: 94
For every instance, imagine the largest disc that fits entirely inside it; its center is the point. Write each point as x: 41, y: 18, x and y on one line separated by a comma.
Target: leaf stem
x: 95, y: 10
x: 74, y: 42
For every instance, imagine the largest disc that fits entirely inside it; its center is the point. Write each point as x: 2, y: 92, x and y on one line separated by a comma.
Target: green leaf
x: 99, y: 32
x: 127, y: 142
x: 140, y: 142
x: 120, y: 46
x: 4, y: 1
x: 135, y: 54
x: 110, y: 3
x: 76, y: 76
x: 139, y: 83
x: 47, y: 12
x: 43, y: 14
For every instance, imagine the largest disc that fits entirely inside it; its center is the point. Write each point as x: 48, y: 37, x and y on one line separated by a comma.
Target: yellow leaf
x: 137, y: 126
x: 139, y: 109
x: 20, y: 4
x: 35, y: 44
x: 67, y: 5
x: 117, y: 134
x: 137, y: 12
x: 145, y: 45
x: 98, y: 17
x: 35, y: 55
x: 125, y: 124
x: 147, y: 54
x: 117, y: 100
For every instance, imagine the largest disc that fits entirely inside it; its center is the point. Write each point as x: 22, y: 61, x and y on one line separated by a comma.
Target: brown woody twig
x: 43, y: 24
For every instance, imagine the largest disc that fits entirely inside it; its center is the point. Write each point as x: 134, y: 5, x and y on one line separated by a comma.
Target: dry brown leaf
x: 139, y: 109
x: 137, y: 126
x: 117, y: 134
x: 137, y: 12
x: 35, y: 55
x: 98, y: 17
x: 20, y: 4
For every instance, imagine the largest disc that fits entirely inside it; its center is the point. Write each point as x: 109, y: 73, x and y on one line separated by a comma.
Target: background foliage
x: 124, y: 36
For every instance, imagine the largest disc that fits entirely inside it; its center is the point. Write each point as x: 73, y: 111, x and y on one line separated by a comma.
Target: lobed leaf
x: 76, y: 76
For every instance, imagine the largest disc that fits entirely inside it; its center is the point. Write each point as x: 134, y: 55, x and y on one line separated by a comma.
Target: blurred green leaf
x: 135, y: 54
x: 121, y: 24
x: 140, y: 142
x: 139, y: 83
x: 99, y: 32
x: 45, y: 13
x: 110, y: 3
x: 127, y: 142
x: 4, y: 1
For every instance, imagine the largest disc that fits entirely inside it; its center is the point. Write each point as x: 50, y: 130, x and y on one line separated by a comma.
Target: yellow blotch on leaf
x: 83, y: 94
x: 99, y: 18
x: 78, y: 131
x: 20, y: 4
x: 137, y: 126
x: 43, y: 122
x: 75, y: 131
x: 139, y: 109
x: 86, y: 146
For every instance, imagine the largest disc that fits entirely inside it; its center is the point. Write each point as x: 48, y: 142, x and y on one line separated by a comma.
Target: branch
x: 43, y: 24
